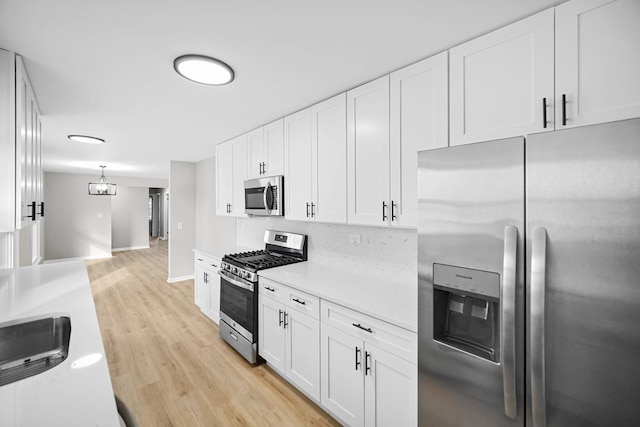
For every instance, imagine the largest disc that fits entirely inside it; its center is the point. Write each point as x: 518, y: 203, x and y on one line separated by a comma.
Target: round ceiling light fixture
x: 203, y: 69
x: 86, y: 139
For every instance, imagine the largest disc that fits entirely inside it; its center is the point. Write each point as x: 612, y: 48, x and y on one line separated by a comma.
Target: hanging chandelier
x: 102, y: 187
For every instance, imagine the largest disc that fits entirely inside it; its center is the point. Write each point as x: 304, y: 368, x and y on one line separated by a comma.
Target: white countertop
x: 392, y: 301
x: 222, y: 251
x: 61, y: 396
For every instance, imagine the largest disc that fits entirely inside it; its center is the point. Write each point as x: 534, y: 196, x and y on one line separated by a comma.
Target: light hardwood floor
x: 166, y: 360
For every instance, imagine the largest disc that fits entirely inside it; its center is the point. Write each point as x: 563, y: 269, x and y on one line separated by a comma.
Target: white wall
x: 182, y: 219
x: 77, y: 225
x: 382, y: 251
x: 215, y: 234
x: 129, y: 218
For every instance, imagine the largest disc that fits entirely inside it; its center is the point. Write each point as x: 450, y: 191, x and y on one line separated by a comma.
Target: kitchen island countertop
x: 61, y: 396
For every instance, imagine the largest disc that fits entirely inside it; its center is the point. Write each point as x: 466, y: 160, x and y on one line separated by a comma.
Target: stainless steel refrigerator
x: 529, y: 280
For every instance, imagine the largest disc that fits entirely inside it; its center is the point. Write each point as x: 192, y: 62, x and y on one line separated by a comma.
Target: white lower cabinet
x: 369, y: 370
x: 391, y: 387
x: 360, y: 369
x: 207, y: 285
x: 289, y: 334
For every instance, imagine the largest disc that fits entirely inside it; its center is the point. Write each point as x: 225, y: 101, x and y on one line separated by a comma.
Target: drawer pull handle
x: 199, y: 259
x: 233, y: 336
x: 299, y: 302
x: 359, y: 326
x: 269, y: 289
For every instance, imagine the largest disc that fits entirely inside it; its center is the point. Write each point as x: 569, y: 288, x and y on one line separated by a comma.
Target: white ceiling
x: 105, y: 68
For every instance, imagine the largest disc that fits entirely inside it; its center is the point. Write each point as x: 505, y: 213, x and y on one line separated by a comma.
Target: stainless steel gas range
x: 239, y: 287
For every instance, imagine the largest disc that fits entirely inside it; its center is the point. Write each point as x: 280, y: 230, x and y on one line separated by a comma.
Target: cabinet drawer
x: 394, y: 339
x: 208, y: 262
x: 273, y: 290
x: 304, y: 303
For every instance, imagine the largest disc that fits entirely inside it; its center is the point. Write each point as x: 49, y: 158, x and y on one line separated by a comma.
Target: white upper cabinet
x: 368, y: 153
x: 298, y: 158
x: 224, y: 178
x: 501, y: 84
x: 265, y: 150
x: 419, y: 121
x: 231, y: 172
x: 597, y: 61
x: 329, y: 163
x: 316, y: 162
x: 239, y: 148
x: 255, y: 153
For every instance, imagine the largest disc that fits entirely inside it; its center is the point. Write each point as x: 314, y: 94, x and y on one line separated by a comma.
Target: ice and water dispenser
x: 466, y: 310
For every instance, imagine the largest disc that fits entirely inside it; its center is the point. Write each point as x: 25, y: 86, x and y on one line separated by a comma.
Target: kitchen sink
x: 31, y: 346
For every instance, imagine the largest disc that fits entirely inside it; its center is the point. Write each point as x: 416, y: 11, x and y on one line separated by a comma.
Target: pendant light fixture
x: 102, y: 187
x: 203, y: 69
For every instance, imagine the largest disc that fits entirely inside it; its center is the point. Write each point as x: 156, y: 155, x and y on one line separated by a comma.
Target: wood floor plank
x: 166, y: 360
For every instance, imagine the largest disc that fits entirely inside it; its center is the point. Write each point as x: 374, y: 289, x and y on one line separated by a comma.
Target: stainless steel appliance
x: 239, y: 287
x: 529, y: 280
x: 264, y: 196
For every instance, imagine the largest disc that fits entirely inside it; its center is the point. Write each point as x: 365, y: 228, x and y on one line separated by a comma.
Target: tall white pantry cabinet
x: 21, y: 201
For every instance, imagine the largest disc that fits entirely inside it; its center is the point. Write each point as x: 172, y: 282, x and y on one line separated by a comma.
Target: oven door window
x: 237, y: 303
x: 254, y: 198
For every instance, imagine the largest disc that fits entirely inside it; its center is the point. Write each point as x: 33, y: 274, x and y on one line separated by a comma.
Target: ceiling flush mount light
x: 203, y: 69
x: 86, y: 139
x: 102, y: 187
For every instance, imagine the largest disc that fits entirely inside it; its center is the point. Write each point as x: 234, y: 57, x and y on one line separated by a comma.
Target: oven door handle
x: 235, y: 282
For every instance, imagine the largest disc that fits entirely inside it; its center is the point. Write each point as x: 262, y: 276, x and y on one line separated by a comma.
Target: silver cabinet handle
x: 508, y: 301
x: 233, y: 336
x: 538, y: 284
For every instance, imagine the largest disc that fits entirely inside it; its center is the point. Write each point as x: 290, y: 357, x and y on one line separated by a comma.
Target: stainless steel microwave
x: 264, y: 196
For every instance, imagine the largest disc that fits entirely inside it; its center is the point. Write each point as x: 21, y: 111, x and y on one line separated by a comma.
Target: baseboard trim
x: 180, y: 279
x: 130, y: 248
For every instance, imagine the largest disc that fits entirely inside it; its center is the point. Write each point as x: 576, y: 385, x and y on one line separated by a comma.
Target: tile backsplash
x: 382, y: 251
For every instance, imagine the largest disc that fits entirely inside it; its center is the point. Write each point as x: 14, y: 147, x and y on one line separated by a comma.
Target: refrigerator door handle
x: 508, y: 301
x: 538, y: 284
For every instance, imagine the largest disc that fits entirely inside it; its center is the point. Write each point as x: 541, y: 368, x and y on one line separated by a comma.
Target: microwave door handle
x: 508, y: 302
x: 538, y: 284
x: 267, y: 197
